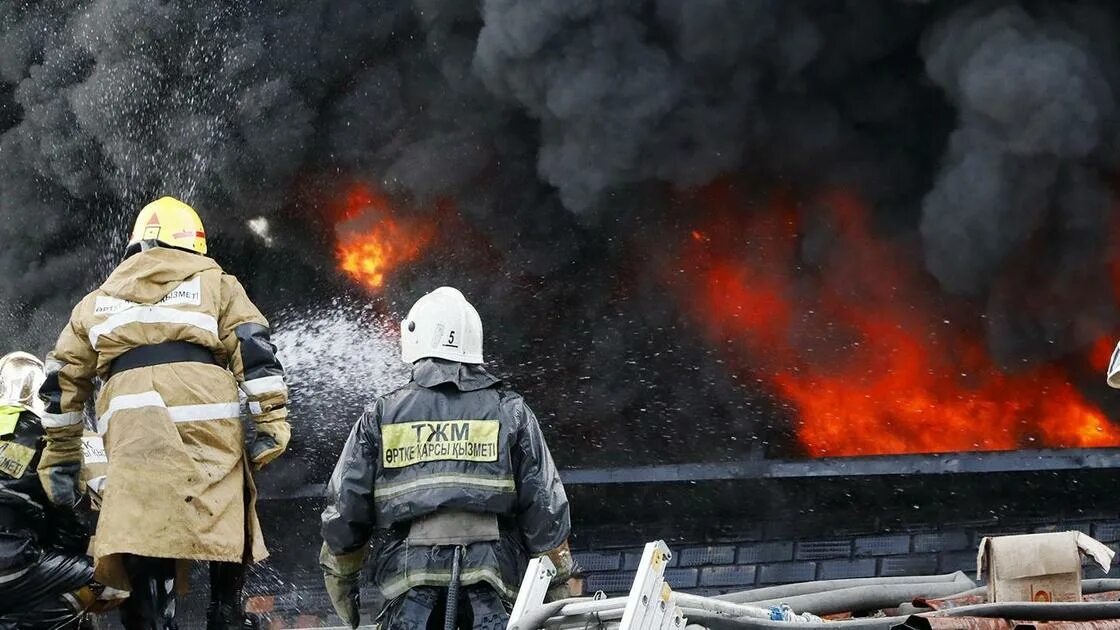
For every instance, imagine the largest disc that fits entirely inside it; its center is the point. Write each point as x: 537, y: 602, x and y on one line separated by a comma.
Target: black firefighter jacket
x: 29, y: 523
x: 452, y: 439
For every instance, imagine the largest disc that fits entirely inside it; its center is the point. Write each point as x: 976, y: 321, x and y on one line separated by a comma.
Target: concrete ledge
x: 761, y: 468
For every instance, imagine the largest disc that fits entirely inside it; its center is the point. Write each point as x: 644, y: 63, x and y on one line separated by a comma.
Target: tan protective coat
x: 178, y: 481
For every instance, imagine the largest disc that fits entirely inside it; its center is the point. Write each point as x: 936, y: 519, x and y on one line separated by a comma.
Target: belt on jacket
x: 400, y: 530
x: 160, y: 354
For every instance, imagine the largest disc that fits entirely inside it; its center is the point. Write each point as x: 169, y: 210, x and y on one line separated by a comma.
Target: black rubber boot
x: 227, y: 617
x: 151, y: 604
x: 226, y: 610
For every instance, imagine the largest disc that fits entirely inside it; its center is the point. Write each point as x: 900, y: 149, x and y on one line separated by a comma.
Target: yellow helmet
x: 172, y: 223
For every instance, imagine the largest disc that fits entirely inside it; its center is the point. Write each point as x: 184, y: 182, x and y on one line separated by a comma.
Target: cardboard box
x: 1038, y: 567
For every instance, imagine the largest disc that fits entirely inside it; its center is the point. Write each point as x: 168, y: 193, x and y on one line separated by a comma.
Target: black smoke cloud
x: 568, y: 133
x: 1025, y: 178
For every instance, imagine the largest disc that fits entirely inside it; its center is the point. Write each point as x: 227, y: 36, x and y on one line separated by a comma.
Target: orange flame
x: 372, y: 242
x: 855, y: 347
x: 1100, y: 353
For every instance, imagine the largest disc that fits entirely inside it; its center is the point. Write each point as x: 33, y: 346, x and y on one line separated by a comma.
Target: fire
x: 372, y: 242
x: 1100, y: 353
x: 856, y: 345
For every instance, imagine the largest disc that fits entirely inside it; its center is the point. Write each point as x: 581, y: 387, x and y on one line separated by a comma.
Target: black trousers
x: 43, y: 597
x: 151, y: 604
x: 422, y: 608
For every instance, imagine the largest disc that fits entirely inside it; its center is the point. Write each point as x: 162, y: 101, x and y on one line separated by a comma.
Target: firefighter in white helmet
x: 454, y: 463
x: 47, y: 577
x: 173, y: 338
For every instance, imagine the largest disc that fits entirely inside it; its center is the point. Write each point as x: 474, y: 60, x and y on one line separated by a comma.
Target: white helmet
x: 444, y: 325
x: 21, y: 375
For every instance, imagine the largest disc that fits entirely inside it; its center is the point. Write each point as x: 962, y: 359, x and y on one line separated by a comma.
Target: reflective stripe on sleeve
x: 152, y: 315
x: 56, y: 420
x: 503, y: 484
x: 264, y: 385
x: 178, y: 413
x: 4, y: 579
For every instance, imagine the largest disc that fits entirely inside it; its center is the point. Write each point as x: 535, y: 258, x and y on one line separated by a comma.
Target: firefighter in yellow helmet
x: 172, y: 337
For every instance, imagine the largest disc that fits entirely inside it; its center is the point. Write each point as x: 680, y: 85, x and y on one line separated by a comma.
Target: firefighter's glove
x: 342, y: 576
x: 565, y: 565
x: 270, y: 443
x: 572, y: 587
x: 558, y: 592
x: 99, y: 599
x: 70, y: 533
x: 60, y: 466
x: 61, y: 484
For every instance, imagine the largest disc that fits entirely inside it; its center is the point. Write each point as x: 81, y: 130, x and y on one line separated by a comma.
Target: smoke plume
x: 562, y: 142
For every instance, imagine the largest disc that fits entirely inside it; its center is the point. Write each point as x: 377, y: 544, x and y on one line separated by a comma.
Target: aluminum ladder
x: 651, y: 604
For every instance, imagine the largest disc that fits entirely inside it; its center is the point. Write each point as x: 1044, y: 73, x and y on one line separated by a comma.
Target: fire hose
x: 805, y: 588
x: 865, y: 597
x: 1074, y: 611
x: 854, y: 594
x: 717, y: 622
x: 814, y: 597
x: 1099, y: 585
x: 582, y: 610
x: 1048, y: 611
x: 1088, y: 587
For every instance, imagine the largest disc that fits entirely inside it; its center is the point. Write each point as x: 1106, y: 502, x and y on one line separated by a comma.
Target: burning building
x: 699, y: 233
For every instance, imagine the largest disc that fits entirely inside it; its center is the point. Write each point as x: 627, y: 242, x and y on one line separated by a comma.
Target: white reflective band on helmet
x: 495, y: 483
x: 1114, y: 369
x: 265, y: 385
x: 56, y: 420
x: 152, y: 315
x: 178, y: 413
